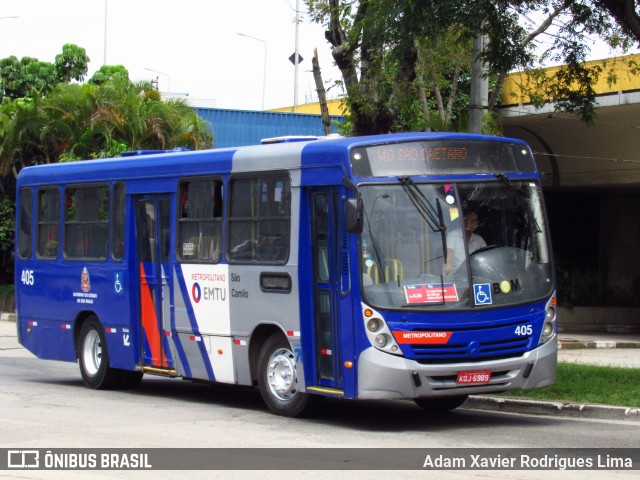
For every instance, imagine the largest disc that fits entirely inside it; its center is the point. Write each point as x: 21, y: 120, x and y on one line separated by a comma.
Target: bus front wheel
x: 94, y: 358
x: 441, y: 404
x: 278, y: 379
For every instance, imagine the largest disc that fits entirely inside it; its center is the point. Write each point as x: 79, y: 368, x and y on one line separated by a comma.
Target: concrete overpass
x: 572, y: 154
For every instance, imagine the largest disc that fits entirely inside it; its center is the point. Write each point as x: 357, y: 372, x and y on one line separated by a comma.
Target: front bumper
x: 384, y: 376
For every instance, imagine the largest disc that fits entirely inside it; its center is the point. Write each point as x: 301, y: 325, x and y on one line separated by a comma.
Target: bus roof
x: 273, y: 155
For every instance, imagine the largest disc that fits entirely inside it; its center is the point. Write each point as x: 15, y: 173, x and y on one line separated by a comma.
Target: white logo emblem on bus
x: 85, y: 284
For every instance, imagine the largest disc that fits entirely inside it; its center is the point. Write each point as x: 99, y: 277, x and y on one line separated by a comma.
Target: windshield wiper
x: 521, y: 203
x: 534, y: 228
x: 432, y: 216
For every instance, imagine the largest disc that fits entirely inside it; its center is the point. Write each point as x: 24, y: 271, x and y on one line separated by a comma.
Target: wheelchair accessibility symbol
x: 117, y: 284
x: 482, y: 293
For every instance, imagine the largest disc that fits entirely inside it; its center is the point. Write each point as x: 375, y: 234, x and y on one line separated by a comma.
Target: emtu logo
x: 196, y: 292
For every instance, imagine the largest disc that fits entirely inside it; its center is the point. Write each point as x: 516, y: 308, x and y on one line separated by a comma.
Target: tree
x: 26, y: 77
x: 71, y: 64
x: 108, y: 72
x: 7, y: 229
x: 384, y: 49
x: 76, y: 122
x: 30, y: 77
x: 626, y: 14
x: 136, y: 116
x: 574, y: 24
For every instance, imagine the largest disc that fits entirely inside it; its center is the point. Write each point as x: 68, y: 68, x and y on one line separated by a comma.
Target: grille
x: 471, y: 351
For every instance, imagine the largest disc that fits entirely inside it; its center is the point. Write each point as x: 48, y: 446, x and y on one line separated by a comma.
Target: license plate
x: 475, y: 377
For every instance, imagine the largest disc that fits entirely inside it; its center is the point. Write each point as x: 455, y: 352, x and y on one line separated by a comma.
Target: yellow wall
x: 335, y: 108
x: 625, y: 79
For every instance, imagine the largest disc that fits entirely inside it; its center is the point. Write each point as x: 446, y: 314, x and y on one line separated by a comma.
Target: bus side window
x: 48, y: 222
x: 87, y: 222
x: 259, y: 219
x: 200, y: 221
x: 24, y: 223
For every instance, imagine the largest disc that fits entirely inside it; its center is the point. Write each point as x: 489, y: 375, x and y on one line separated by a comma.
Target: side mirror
x: 354, y: 215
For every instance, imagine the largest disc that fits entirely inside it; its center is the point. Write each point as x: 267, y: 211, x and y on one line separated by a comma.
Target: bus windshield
x: 454, y: 245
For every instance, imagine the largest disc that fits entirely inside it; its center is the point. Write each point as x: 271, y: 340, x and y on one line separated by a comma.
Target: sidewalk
x: 602, y: 349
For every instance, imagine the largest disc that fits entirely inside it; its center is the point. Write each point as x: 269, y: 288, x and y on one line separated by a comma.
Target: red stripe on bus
x: 150, y: 322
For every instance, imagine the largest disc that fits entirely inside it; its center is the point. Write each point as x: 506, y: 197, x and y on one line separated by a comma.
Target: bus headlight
x: 550, y: 321
x: 551, y: 314
x: 381, y: 341
x: 378, y: 332
x: 373, y: 325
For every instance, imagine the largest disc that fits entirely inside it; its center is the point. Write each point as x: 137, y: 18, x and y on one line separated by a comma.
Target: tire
x: 93, y: 357
x: 442, y: 404
x: 278, y: 379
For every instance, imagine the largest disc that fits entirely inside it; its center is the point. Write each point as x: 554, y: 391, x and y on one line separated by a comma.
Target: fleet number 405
x: 524, y: 330
x: 27, y: 277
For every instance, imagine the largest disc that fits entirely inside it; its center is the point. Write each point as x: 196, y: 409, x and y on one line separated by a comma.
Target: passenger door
x: 327, y: 282
x: 153, y: 227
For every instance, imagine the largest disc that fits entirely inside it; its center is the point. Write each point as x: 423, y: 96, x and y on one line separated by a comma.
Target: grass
x: 589, y: 384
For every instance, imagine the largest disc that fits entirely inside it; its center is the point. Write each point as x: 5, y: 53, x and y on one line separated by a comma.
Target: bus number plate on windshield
x: 474, y: 377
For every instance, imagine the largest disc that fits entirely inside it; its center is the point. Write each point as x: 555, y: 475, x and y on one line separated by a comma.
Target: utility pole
x: 479, y: 86
x: 295, y: 60
x: 104, y: 59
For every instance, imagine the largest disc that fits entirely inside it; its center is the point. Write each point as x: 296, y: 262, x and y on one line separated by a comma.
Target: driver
x: 455, y: 248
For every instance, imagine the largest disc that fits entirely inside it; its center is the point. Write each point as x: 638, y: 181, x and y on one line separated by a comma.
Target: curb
x: 556, y: 409
x: 8, y: 317
x: 571, y: 344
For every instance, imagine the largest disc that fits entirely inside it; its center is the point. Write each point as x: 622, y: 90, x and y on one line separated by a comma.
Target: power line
x: 614, y: 160
x: 560, y: 116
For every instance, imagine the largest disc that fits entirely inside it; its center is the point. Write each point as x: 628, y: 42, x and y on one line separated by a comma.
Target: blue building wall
x: 234, y: 128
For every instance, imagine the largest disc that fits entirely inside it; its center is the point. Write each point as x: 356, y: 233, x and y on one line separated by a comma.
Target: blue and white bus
x: 401, y: 266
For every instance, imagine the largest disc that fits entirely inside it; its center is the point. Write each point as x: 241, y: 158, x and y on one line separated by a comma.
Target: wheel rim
x: 92, y: 353
x: 281, y: 375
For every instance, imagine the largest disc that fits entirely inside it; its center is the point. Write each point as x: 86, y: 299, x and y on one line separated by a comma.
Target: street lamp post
x: 161, y: 73
x: 264, y: 71
x: 104, y: 44
x: 296, y: 60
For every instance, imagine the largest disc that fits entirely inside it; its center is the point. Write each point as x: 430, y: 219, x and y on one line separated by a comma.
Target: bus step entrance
x: 165, y: 372
x: 326, y: 390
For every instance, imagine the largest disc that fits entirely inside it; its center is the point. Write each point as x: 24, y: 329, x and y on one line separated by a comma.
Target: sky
x: 190, y: 46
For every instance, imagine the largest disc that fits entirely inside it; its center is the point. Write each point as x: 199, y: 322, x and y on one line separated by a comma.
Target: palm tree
x: 139, y: 118
x: 75, y: 122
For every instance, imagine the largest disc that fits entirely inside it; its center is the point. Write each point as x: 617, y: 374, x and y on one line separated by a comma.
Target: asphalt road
x: 44, y: 405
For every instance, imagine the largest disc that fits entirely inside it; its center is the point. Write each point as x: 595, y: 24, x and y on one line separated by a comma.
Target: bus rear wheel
x: 94, y: 358
x: 278, y: 379
x: 441, y: 404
